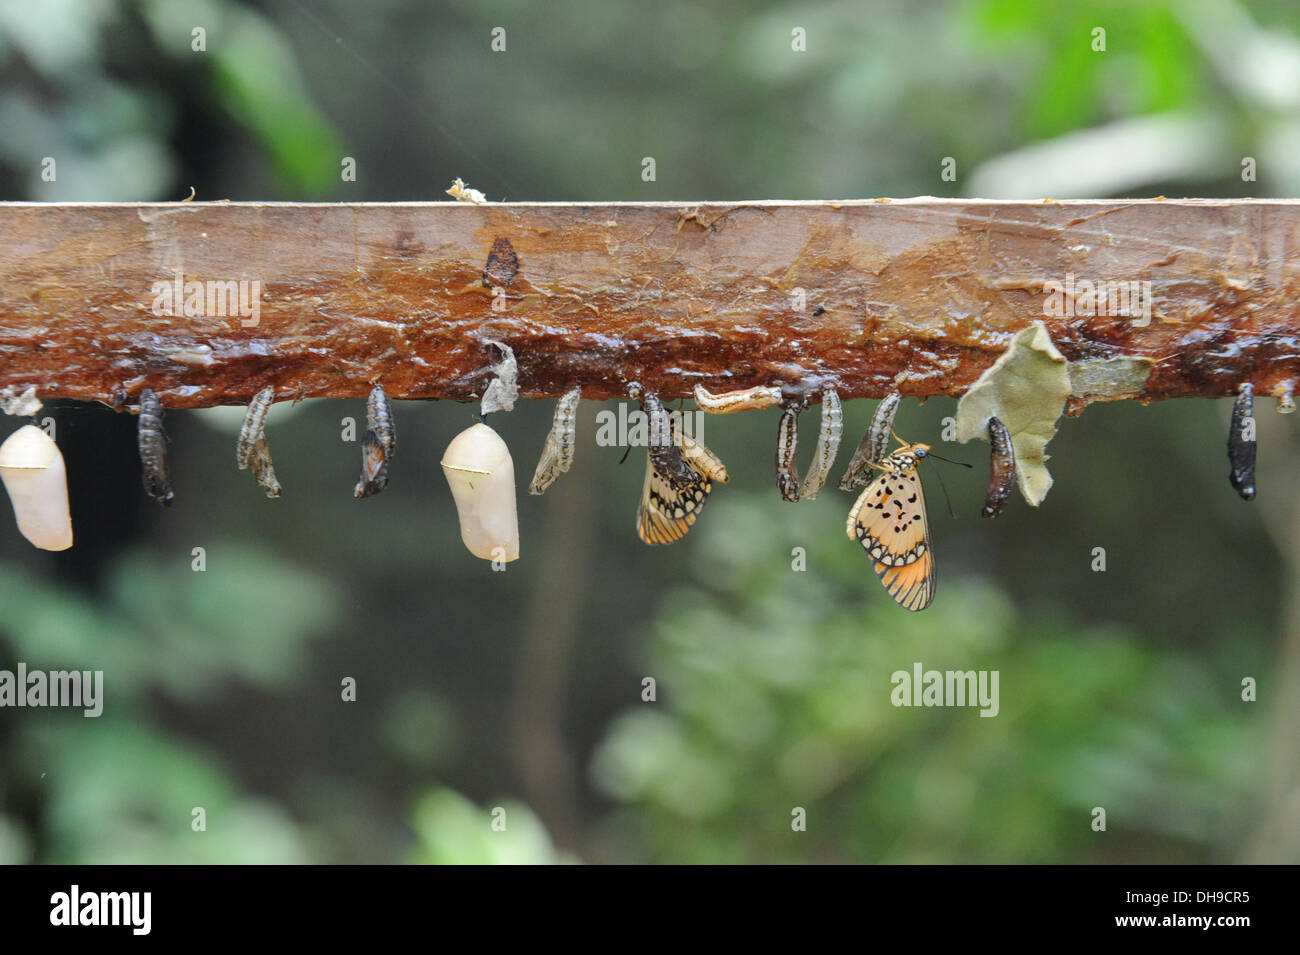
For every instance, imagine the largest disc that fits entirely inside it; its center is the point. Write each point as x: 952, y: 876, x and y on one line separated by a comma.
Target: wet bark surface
x: 918, y: 294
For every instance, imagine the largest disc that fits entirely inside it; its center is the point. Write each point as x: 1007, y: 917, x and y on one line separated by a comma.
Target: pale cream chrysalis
x: 31, y: 467
x: 481, y: 475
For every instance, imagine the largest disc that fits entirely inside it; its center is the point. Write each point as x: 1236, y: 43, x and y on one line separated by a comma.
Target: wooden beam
x: 922, y: 292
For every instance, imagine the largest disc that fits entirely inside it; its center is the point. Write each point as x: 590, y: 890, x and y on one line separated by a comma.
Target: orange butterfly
x: 889, y: 520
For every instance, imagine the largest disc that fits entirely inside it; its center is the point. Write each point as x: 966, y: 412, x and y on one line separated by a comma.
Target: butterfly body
x: 889, y: 521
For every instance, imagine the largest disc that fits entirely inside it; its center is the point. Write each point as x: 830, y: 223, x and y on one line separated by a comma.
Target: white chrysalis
x: 32, y: 469
x: 481, y: 475
x: 828, y: 445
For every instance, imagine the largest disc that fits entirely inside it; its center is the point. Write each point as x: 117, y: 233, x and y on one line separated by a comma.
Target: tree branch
x: 923, y: 291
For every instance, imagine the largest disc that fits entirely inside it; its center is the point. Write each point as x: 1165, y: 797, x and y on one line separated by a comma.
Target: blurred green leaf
x: 453, y: 831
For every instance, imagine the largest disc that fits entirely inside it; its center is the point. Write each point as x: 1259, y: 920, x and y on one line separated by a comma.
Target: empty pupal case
x: 31, y: 467
x: 481, y: 475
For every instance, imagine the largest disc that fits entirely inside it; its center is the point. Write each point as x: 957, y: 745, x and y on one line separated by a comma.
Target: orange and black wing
x: 669, y: 505
x: 889, y: 521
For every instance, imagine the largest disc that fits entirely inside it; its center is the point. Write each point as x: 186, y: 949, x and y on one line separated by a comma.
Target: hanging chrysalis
x: 1241, y: 443
x: 378, y: 445
x: 252, y: 450
x: 153, y: 449
x: 664, y: 454
x: 729, y: 402
x: 1002, y: 469
x: 263, y: 469
x: 787, y: 446
x: 254, y: 425
x: 696, y: 454
x: 481, y: 474
x: 828, y: 445
x: 674, y: 490
x: 32, y: 469
x: 557, y: 454
x: 874, y: 445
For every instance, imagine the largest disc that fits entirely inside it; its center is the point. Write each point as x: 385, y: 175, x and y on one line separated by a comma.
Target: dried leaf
x: 1026, y: 388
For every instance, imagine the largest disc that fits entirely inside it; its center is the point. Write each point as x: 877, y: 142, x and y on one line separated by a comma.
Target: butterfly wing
x: 669, y: 505
x: 889, y: 521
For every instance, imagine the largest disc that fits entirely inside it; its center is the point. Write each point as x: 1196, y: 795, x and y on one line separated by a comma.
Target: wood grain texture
x: 667, y: 294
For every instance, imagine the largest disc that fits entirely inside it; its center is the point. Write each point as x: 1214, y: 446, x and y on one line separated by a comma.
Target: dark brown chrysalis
x: 1002, y: 469
x: 787, y: 446
x: 1241, y: 443
x: 378, y: 445
x: 153, y: 449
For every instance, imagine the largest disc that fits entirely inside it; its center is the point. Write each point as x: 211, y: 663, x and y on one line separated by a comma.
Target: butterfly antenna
x: 946, y: 499
x: 949, y: 460
x: 625, y: 454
